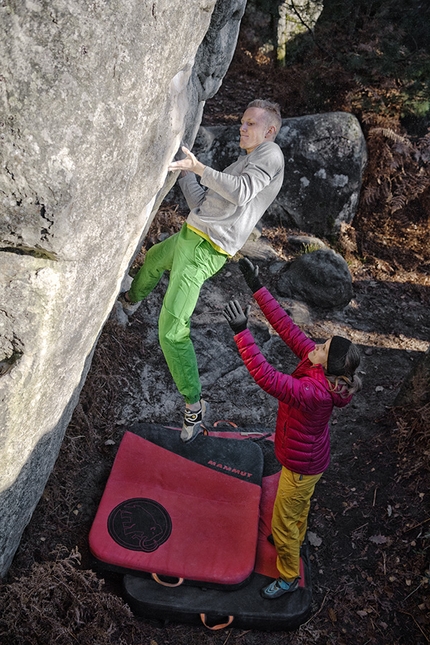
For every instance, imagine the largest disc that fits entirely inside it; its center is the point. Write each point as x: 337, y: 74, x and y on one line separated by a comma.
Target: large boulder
x: 96, y: 98
x: 320, y: 278
x: 325, y: 155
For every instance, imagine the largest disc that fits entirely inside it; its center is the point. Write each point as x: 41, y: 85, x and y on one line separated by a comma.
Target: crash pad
x: 191, y: 516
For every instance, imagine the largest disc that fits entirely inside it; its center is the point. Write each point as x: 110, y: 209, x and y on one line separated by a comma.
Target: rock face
x: 325, y: 155
x: 320, y: 278
x: 96, y: 98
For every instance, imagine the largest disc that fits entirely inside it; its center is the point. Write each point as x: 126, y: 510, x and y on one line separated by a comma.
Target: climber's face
x: 254, y: 129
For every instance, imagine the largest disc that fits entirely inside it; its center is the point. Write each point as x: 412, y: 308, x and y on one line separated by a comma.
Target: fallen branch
x: 415, y: 526
x: 402, y: 611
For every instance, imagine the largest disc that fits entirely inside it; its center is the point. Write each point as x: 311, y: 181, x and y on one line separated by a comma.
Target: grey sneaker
x: 128, y: 307
x: 193, y: 422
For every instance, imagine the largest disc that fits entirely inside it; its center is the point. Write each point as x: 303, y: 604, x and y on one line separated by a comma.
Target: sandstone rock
x: 96, y: 100
x: 325, y: 155
x: 260, y: 249
x: 320, y: 278
x: 295, y: 19
x: 298, y: 311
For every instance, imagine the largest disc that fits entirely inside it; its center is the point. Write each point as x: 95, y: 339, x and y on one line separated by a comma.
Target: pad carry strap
x: 215, y: 627
x: 167, y: 584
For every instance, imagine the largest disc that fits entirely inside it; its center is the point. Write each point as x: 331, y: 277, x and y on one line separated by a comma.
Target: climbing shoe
x: 129, y: 308
x: 193, y: 422
x: 279, y: 587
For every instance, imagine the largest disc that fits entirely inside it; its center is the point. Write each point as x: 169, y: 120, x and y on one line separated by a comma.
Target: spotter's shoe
x: 193, y: 422
x: 279, y: 587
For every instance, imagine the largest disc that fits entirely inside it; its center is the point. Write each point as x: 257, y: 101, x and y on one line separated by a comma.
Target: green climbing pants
x: 191, y: 260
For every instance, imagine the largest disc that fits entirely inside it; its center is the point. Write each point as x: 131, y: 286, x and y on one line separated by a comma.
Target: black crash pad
x: 243, y: 608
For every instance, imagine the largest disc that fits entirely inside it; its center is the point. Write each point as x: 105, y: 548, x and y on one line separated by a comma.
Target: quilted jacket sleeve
x: 281, y: 322
x: 302, y: 393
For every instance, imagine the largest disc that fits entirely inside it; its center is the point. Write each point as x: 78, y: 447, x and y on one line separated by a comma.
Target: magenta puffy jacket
x: 302, y: 440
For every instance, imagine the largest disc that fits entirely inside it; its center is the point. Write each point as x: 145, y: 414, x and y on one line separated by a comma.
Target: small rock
x: 259, y: 250
x: 306, y: 241
x: 314, y: 539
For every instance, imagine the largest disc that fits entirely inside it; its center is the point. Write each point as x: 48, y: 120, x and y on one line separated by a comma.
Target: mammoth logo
x: 140, y: 524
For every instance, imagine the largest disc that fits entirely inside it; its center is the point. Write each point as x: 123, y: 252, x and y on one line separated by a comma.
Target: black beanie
x: 336, y: 355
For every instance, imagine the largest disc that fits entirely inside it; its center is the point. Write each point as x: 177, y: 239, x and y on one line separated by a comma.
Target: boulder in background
x: 320, y: 278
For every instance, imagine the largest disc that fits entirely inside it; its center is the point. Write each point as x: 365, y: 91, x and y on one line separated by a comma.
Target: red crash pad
x: 165, y: 514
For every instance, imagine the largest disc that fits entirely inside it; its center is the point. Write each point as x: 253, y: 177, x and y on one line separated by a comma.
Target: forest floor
x: 370, y: 512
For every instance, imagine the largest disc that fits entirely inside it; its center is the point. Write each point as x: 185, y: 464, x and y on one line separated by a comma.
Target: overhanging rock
x: 96, y: 100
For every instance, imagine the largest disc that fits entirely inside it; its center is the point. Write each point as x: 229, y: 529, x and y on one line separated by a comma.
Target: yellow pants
x: 290, y: 519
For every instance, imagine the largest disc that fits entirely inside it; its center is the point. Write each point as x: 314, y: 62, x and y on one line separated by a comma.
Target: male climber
x: 224, y: 209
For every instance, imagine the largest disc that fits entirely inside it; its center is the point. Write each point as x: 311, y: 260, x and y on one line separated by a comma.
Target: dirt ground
x: 370, y: 514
